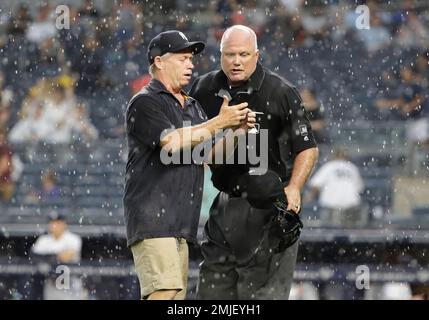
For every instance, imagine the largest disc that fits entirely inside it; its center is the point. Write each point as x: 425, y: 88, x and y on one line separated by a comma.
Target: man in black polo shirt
x: 242, y: 255
x: 162, y: 201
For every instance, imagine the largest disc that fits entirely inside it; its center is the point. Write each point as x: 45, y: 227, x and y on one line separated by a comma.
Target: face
x: 58, y: 96
x: 56, y: 228
x: 239, y: 57
x: 177, y: 69
x: 407, y: 74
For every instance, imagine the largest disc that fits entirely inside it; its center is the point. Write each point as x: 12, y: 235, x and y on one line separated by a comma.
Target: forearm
x: 388, y: 103
x: 409, y: 107
x: 67, y: 256
x: 303, y: 166
x: 188, y: 137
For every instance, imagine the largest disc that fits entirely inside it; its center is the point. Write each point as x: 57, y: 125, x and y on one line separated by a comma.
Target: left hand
x: 248, y: 123
x: 293, y: 195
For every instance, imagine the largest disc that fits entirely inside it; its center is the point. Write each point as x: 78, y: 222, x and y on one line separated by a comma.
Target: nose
x: 190, y: 65
x: 236, y: 60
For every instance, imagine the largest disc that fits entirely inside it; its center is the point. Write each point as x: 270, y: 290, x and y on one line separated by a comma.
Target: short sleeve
x: 41, y: 246
x: 359, y: 181
x: 301, y: 134
x: 75, y: 243
x: 146, y: 120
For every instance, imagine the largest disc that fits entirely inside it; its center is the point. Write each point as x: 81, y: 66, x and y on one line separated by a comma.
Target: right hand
x: 232, y: 116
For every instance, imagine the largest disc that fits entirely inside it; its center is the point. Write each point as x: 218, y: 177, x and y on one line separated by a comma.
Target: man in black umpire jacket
x: 245, y: 252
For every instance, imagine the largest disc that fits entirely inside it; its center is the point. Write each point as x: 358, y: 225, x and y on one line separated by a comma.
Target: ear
x: 257, y: 54
x: 158, y: 62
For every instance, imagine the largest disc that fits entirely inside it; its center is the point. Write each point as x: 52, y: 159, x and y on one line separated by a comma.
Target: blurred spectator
x: 64, y: 245
x: 50, y: 192
x: 409, y: 105
x: 83, y: 130
x: 128, y: 19
x: 386, y: 88
x: 51, y: 58
x: 29, y: 128
x: 56, y: 117
x: 304, y: 290
x: 46, y: 120
x: 339, y: 184
x: 129, y: 58
x: 412, y: 31
x: 292, y: 6
x: 315, y: 22
x: 6, y: 94
x: 287, y: 31
x: 5, y: 114
x: 225, y: 7
x: 43, y: 28
x: 18, y: 24
x: 377, y: 36
x: 396, y: 291
x: 315, y: 114
x: 7, y: 185
x: 338, y: 16
x: 71, y: 38
x: 17, y: 168
x: 88, y: 66
x: 88, y: 9
x: 255, y: 15
x: 59, y: 246
x: 422, y: 69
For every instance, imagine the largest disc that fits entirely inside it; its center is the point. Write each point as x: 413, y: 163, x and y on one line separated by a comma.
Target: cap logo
x: 183, y: 36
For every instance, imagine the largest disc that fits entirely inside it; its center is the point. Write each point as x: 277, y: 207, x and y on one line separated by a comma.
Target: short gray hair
x: 153, y: 68
x: 242, y: 28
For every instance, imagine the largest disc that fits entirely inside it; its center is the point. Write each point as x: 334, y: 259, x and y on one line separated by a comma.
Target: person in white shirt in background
x: 83, y: 130
x: 56, y: 117
x: 57, y: 120
x: 29, y: 128
x: 44, y: 26
x: 66, y: 247
x: 339, y: 185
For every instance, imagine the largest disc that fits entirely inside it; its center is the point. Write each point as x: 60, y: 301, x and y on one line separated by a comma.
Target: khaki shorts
x: 161, y: 264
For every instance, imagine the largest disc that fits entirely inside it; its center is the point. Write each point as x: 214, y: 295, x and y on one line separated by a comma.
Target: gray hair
x: 153, y: 68
x: 238, y: 27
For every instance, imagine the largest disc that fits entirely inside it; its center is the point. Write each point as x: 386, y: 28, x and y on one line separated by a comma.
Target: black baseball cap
x: 171, y: 41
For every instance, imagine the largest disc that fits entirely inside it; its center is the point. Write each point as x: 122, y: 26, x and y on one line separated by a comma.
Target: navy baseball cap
x: 54, y: 216
x: 171, y: 41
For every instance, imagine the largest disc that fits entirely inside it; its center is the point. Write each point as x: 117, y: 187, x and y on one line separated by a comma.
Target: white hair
x: 238, y: 27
